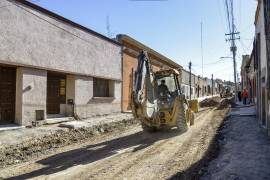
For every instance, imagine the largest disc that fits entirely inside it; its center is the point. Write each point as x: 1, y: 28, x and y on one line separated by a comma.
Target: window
x: 169, y: 82
x: 62, y: 87
x: 103, y: 88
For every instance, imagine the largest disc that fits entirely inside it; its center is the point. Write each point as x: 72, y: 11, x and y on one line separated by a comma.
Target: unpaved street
x: 244, y: 149
x: 129, y: 154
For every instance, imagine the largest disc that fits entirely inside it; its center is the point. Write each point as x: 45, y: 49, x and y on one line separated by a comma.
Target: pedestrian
x: 245, y: 96
x: 239, y: 96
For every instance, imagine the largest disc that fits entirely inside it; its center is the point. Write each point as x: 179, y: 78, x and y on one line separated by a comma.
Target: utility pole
x: 202, y: 45
x: 212, y: 85
x: 189, y: 66
x: 233, y: 47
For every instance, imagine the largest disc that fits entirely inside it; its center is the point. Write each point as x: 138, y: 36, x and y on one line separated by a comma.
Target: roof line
x: 65, y: 20
x: 121, y: 37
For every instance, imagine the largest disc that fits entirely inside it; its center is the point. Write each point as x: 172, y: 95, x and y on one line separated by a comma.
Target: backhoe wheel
x: 182, y: 124
x: 147, y: 128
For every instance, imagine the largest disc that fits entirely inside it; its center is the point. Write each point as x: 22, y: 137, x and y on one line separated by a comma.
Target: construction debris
x: 224, y: 103
x: 209, y: 102
x: 125, y: 153
x: 72, y: 133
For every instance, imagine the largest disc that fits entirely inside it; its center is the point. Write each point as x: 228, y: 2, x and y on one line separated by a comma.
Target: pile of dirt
x: 34, y: 147
x: 209, y: 102
x: 225, y: 103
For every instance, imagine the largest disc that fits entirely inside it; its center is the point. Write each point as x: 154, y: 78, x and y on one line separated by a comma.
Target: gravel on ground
x: 244, y: 149
x: 128, y: 153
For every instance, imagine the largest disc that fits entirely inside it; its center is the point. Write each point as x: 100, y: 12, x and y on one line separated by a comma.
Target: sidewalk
x: 13, y: 137
x: 244, y: 148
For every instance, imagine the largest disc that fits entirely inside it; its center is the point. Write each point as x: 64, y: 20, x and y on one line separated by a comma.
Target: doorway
x: 7, y: 94
x: 56, y: 92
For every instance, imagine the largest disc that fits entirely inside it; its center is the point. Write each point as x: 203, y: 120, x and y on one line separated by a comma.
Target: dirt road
x: 128, y: 154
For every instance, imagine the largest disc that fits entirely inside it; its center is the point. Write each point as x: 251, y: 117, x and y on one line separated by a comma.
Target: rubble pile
x: 34, y: 147
x: 209, y: 102
x: 223, y: 104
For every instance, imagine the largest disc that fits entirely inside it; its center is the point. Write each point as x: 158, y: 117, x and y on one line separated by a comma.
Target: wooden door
x: 7, y: 94
x: 56, y: 93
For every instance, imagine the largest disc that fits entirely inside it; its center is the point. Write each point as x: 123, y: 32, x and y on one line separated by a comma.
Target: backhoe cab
x: 157, y: 100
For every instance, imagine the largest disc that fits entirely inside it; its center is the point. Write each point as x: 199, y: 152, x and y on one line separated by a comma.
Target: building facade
x: 51, y: 67
x: 248, y: 76
x: 261, y: 65
x: 244, y: 72
x: 185, y: 85
x: 130, y: 51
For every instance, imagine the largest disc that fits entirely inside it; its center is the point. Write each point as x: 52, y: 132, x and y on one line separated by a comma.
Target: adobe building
x: 130, y: 51
x: 185, y: 87
x: 53, y: 67
x: 261, y: 66
x: 200, y: 86
x: 244, y: 73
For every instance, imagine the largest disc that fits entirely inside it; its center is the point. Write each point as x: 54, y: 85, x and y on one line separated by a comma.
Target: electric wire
x: 228, y: 15
x: 220, y: 15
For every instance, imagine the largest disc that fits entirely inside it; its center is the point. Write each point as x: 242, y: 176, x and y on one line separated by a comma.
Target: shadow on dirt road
x: 195, y: 171
x: 96, y: 152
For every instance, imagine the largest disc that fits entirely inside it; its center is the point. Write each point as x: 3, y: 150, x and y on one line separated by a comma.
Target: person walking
x: 239, y: 94
x: 245, y: 96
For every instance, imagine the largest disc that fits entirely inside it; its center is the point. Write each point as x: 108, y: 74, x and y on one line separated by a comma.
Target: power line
x: 232, y: 37
x: 226, y: 25
x: 245, y: 48
x: 228, y: 15
x: 240, y: 13
x: 208, y: 64
x: 220, y: 14
x: 222, y: 69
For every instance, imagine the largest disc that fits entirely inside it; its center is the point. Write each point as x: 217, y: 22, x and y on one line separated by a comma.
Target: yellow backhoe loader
x: 157, y: 100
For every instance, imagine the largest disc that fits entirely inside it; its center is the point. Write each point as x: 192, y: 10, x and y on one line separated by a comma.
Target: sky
x: 171, y: 27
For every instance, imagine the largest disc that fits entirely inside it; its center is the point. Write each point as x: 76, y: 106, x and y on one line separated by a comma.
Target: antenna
x: 108, y: 27
x: 202, y: 45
